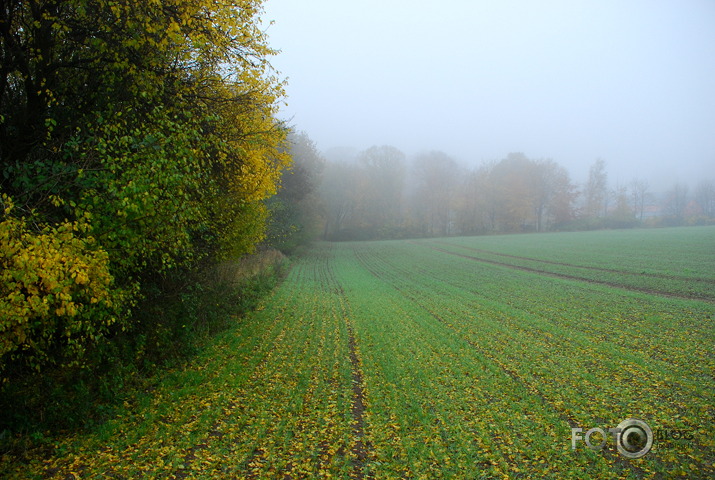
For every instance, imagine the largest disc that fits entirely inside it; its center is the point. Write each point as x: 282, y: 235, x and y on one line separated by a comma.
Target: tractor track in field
x: 571, y: 265
x: 361, y: 450
x: 565, y: 276
x: 588, y: 330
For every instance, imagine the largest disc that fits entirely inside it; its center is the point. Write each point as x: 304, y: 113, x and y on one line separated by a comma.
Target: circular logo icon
x: 635, y: 438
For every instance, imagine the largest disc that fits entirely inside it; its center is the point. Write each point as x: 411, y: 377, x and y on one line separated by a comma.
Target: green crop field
x: 439, y: 358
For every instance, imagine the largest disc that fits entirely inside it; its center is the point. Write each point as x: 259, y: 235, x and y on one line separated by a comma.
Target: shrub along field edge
x: 173, y: 330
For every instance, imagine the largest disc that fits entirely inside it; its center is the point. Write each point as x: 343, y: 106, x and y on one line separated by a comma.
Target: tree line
x: 139, y: 147
x: 380, y: 193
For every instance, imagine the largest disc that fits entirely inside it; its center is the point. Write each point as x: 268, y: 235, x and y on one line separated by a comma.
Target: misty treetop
x: 138, y: 142
x: 382, y: 194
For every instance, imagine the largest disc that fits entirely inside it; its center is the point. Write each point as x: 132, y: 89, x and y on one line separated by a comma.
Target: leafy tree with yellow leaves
x: 138, y: 141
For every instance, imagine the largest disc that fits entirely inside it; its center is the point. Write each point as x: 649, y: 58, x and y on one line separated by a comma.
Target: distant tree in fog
x: 705, y: 196
x: 383, y: 169
x: 532, y: 194
x: 436, y: 176
x: 475, y: 207
x: 677, y: 201
x: 555, y: 194
x: 596, y: 190
x: 380, y: 195
x: 363, y: 198
x: 516, y: 193
x: 294, y: 210
x: 639, y: 195
x: 339, y: 194
x: 622, y: 214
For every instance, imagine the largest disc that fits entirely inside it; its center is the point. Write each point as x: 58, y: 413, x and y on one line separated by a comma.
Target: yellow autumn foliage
x: 50, y: 282
x: 156, y: 140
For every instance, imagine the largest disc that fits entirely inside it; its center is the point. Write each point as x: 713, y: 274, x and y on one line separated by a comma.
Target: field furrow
x: 662, y: 285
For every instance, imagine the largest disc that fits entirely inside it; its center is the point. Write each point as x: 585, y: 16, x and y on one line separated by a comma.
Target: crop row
x: 639, y: 278
x: 676, y: 252
x: 585, y: 351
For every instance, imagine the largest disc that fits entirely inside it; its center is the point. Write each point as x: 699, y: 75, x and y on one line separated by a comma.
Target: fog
x: 628, y: 82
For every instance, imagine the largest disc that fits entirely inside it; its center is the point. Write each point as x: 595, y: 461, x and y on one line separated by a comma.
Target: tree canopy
x: 136, y: 139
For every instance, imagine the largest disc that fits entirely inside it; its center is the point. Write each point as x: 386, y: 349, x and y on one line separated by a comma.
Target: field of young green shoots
x: 439, y: 358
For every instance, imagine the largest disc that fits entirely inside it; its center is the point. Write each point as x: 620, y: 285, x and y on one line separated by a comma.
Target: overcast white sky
x: 629, y: 81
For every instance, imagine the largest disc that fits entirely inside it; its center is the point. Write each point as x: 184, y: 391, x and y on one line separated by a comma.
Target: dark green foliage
x: 138, y: 148
x: 295, y: 211
x: 169, y: 330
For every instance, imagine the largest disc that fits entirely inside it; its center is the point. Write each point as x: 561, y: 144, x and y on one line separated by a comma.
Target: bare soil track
x: 573, y: 277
